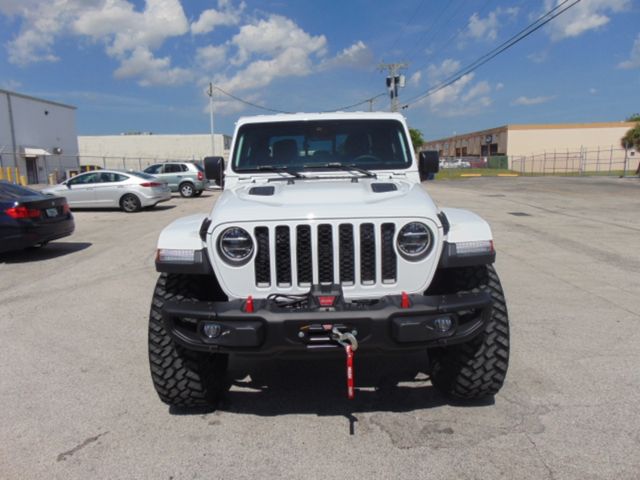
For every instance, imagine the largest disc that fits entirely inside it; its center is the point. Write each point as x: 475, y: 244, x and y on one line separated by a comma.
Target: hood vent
x: 384, y: 187
x: 262, y: 191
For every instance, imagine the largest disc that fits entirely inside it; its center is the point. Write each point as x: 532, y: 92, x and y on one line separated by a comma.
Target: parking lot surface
x: 76, y: 399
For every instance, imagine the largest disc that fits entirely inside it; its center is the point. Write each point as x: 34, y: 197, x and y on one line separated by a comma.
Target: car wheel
x: 476, y: 369
x: 187, y: 190
x: 130, y: 203
x: 181, y: 377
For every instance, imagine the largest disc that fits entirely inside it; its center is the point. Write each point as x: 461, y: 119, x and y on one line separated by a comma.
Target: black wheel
x: 187, y: 190
x: 181, y: 377
x: 475, y: 369
x: 130, y: 203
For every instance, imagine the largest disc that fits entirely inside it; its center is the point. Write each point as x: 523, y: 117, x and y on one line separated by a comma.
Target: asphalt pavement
x: 76, y: 399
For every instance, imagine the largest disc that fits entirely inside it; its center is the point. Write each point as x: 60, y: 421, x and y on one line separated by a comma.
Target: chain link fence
x: 592, y: 161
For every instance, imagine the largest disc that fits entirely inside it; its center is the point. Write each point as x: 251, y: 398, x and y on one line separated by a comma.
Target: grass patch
x: 456, y: 173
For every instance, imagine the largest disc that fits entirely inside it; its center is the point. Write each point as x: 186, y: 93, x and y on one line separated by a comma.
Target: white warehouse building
x: 138, y: 150
x: 37, y: 136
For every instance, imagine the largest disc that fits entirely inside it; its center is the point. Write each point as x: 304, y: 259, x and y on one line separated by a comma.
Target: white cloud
x: 436, y: 73
x: 634, y: 57
x: 357, y: 55
x: 538, y: 57
x: 499, y: 86
x: 528, y: 101
x: 227, y: 14
x: 272, y: 48
x: 10, y: 85
x: 478, y: 90
x: 128, y: 35
x: 150, y: 70
x: 487, y: 28
x: 273, y: 36
x: 583, y: 17
x: 415, y: 79
x: 211, y: 57
x: 124, y: 29
x: 462, y: 97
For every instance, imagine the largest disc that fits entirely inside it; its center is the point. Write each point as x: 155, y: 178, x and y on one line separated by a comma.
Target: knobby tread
x: 181, y: 378
x: 476, y: 369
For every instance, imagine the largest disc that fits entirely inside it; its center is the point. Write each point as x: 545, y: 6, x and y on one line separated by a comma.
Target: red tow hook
x: 350, y: 344
x: 248, y: 306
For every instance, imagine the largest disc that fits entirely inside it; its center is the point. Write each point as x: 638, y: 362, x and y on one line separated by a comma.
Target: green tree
x: 633, y: 118
x: 416, y: 138
x: 631, y: 139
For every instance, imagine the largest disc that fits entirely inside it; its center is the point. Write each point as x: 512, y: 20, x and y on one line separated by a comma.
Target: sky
x: 144, y: 65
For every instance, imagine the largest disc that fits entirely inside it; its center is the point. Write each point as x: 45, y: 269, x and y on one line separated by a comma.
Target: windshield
x: 367, y: 144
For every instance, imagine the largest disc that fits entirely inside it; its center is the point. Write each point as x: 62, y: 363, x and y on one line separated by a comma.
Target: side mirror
x: 428, y: 164
x: 214, y: 169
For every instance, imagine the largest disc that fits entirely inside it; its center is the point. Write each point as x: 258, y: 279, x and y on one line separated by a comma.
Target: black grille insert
x: 262, y: 263
x: 283, y: 256
x: 389, y: 261
x: 303, y: 252
x: 325, y: 254
x: 367, y: 254
x: 347, y: 255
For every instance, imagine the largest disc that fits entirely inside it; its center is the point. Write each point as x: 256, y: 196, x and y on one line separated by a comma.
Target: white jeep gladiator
x: 324, y: 240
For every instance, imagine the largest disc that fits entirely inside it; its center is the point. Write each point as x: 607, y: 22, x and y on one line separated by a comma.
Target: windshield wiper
x: 345, y: 167
x: 271, y: 168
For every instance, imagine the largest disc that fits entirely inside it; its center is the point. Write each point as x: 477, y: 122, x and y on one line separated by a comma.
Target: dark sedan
x: 29, y: 218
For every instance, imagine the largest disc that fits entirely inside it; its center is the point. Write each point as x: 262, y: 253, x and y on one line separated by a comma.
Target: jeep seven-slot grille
x: 327, y: 251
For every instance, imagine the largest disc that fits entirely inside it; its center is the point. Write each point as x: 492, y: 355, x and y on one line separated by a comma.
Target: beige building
x: 530, y: 140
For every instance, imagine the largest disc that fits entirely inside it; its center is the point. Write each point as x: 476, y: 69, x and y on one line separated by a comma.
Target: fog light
x: 443, y: 324
x: 211, y: 330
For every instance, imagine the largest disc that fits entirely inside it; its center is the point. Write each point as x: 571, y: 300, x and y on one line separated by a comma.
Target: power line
x: 247, y: 102
x: 524, y: 33
x: 408, y: 23
x: 458, y: 32
x: 348, y: 107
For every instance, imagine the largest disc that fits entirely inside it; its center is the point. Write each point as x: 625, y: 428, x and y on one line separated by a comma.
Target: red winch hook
x: 350, y: 344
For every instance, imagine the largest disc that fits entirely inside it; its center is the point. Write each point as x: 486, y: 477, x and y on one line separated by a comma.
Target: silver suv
x: 184, y: 177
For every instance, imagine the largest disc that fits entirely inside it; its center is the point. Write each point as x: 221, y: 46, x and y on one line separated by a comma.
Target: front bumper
x: 384, y: 325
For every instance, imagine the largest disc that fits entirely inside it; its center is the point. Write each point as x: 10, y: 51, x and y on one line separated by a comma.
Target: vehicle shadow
x: 281, y: 386
x: 53, y: 250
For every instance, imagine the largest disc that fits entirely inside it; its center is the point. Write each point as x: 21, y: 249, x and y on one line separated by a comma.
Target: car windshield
x: 322, y: 144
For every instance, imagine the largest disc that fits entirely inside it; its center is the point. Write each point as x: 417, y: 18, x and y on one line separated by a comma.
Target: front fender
x: 468, y: 242
x: 183, y: 234
x: 466, y: 226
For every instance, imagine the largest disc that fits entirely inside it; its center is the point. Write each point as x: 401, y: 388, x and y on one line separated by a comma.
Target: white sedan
x: 129, y: 191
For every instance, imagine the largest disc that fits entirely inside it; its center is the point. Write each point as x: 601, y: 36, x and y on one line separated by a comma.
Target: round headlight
x: 414, y: 240
x: 235, y: 245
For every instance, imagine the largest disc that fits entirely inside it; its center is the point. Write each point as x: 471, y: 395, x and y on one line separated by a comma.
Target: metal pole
x: 610, y: 159
x: 213, y: 141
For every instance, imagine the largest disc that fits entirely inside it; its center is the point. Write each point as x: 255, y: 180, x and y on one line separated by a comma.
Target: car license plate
x: 52, y: 212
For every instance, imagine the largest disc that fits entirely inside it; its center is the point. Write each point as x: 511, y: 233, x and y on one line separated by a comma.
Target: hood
x: 323, y: 199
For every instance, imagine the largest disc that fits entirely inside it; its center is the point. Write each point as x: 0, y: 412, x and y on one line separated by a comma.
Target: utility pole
x: 394, y: 80
x: 213, y: 141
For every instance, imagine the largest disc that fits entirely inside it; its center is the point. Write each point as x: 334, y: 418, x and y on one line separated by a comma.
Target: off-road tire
x: 187, y: 189
x: 476, y: 369
x: 181, y: 377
